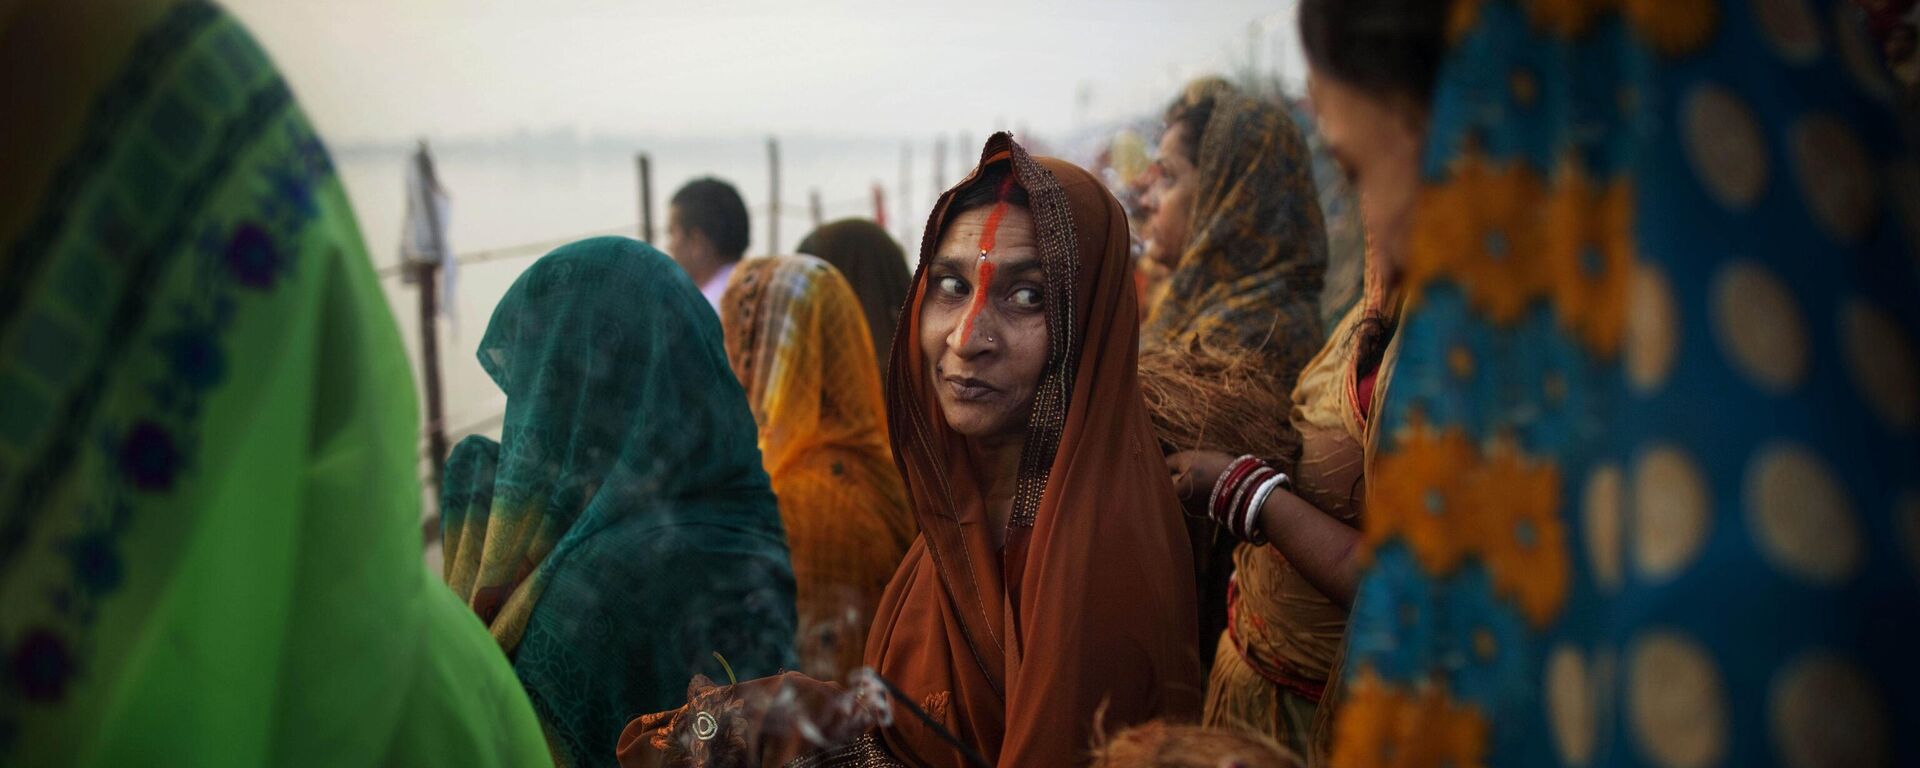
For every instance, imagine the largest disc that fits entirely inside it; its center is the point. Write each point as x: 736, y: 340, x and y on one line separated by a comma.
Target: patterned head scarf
x: 873, y: 264
x: 622, y: 529
x: 794, y: 338
x: 1089, y: 605
x: 798, y: 342
x: 1250, y: 274
x: 1645, y: 486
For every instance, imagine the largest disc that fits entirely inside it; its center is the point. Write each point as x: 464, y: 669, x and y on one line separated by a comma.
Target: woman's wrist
x: 1258, y: 504
x: 1239, y: 495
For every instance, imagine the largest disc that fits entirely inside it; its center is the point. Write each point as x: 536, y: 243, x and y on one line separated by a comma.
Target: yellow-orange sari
x: 797, y: 339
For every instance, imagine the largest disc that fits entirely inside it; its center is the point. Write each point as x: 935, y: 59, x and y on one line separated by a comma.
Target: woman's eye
x: 1029, y: 298
x: 952, y: 286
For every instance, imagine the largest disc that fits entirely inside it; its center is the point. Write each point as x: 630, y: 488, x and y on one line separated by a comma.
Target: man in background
x: 707, y: 233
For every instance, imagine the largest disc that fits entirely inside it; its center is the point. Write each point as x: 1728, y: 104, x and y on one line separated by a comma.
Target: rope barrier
x: 513, y: 251
x: 788, y: 211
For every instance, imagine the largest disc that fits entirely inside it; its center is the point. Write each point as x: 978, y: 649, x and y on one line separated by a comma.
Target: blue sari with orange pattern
x: 1645, y: 492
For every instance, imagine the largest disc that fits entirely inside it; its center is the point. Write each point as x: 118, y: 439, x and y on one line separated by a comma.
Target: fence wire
x: 513, y: 251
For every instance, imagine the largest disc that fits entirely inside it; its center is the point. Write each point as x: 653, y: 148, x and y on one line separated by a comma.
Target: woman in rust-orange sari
x: 1084, y: 598
x: 797, y: 339
x: 1050, y: 591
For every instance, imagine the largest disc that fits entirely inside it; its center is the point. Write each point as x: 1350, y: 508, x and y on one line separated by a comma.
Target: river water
x: 502, y: 198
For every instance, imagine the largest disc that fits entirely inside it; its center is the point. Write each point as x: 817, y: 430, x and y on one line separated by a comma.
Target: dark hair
x: 1194, y: 116
x: 985, y: 191
x: 1193, y: 108
x: 1390, y: 48
x: 713, y: 208
x: 1371, y: 336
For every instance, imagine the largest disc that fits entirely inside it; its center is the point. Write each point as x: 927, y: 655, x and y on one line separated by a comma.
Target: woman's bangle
x: 1258, y: 502
x: 1220, y: 485
x: 1219, y: 505
x: 1236, y: 521
x: 1239, y: 493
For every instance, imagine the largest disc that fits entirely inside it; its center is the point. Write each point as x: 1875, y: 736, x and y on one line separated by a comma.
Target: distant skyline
x: 384, y: 71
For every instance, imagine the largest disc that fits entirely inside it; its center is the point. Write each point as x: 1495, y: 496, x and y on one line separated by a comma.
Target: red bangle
x: 1222, y: 485
x: 1233, y: 484
x: 1229, y: 481
x: 1242, y: 494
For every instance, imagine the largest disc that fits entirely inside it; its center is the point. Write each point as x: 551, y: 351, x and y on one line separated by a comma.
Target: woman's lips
x: 969, y: 389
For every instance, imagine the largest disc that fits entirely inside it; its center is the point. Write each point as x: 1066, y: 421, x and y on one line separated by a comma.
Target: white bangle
x: 1259, y: 500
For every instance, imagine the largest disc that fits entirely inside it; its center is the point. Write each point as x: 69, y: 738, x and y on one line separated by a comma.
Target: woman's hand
x: 1194, y: 473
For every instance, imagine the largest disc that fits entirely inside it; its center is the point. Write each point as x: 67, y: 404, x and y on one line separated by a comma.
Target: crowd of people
x: 1600, y: 446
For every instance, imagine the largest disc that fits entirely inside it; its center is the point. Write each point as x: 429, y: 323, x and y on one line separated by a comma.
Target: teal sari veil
x: 622, y: 532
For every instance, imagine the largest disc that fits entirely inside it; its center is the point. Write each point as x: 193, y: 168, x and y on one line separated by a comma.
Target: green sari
x: 622, y: 531
x: 209, y: 543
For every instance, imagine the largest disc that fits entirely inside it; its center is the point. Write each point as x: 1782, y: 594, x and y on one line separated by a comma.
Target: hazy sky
x: 394, y: 69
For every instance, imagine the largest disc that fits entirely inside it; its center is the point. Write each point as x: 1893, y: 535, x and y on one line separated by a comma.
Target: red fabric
x: 1363, y: 394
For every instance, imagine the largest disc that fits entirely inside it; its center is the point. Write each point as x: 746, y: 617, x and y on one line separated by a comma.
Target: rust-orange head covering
x: 1091, y: 602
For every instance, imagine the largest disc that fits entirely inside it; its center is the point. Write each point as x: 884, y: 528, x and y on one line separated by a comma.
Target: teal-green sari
x: 622, y: 531
x: 209, y: 543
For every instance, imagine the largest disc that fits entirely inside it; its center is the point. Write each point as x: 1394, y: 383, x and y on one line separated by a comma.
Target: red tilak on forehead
x: 992, y: 230
x: 987, y: 236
